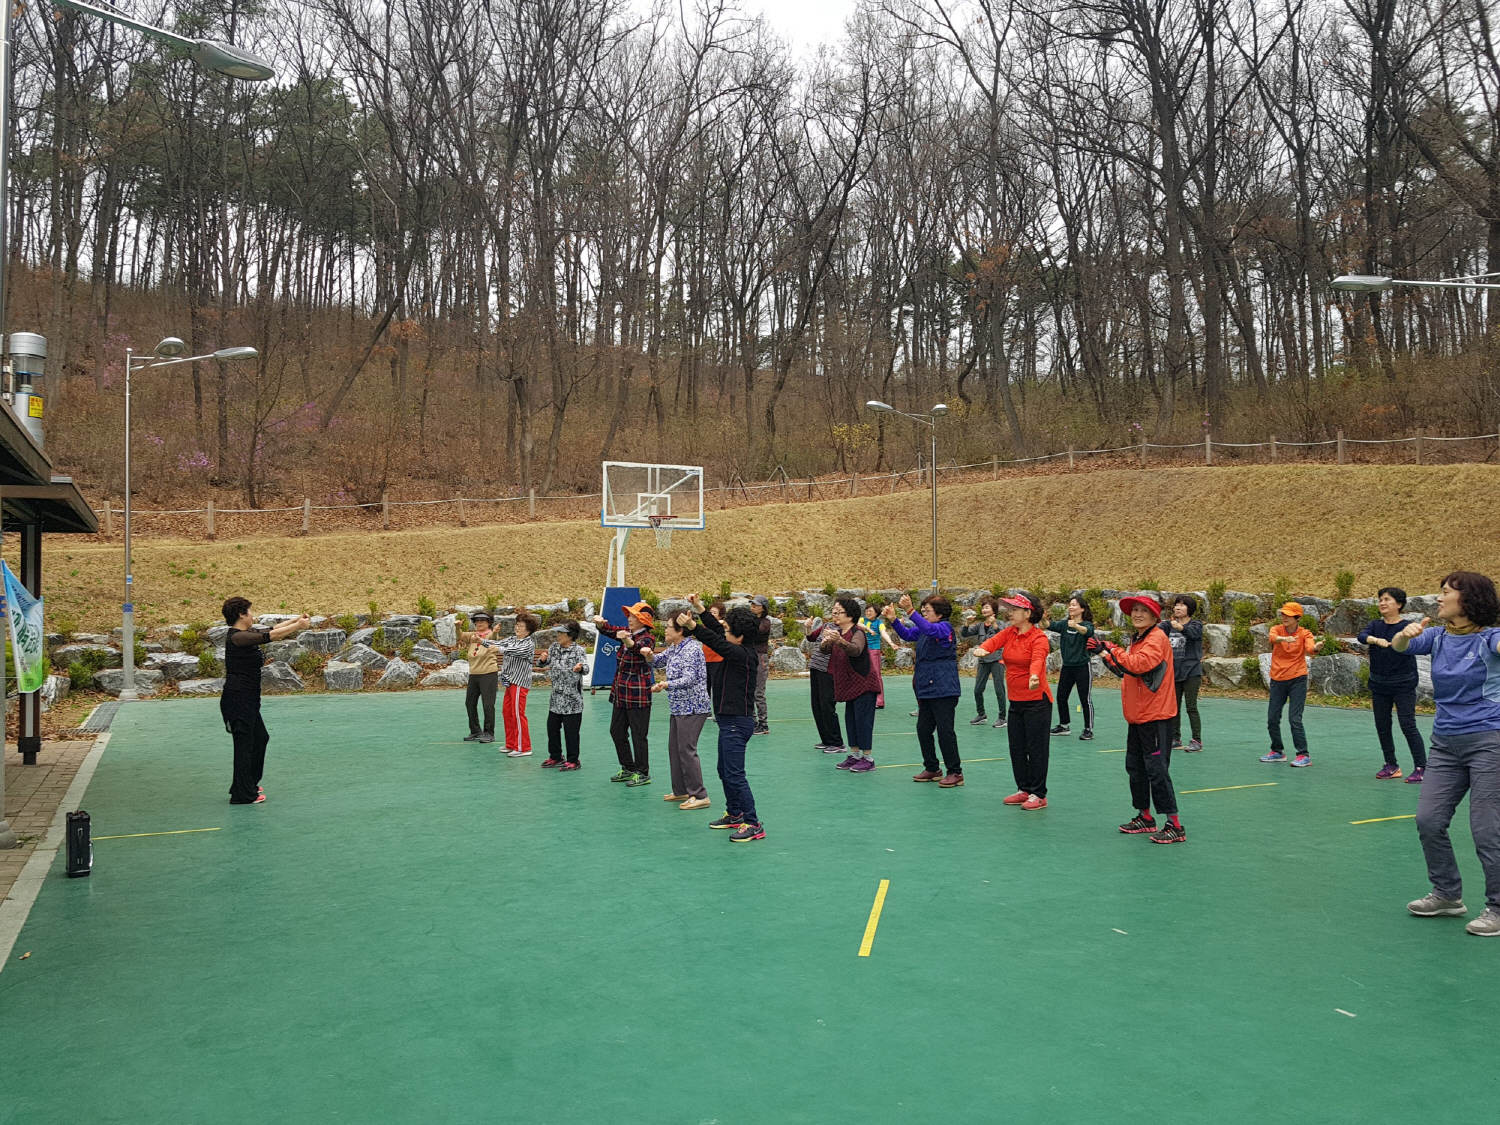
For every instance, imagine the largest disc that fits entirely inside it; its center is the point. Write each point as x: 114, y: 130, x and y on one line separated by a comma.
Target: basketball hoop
x: 663, y: 534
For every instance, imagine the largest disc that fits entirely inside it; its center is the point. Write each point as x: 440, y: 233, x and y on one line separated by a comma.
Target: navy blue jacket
x: 1390, y: 671
x: 936, y: 673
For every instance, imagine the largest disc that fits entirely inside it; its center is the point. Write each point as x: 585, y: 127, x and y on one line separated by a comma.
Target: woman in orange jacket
x: 1148, y: 695
x: 1291, y: 645
x: 1025, y: 648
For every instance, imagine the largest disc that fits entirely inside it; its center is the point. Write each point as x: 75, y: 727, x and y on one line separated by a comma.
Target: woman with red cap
x: 631, y: 692
x: 1148, y: 695
x: 1025, y: 648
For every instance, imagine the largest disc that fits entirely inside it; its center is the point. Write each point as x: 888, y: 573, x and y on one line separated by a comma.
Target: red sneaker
x: 566, y: 766
x: 1034, y: 802
x: 928, y: 775
x: 551, y: 763
x: 1017, y: 798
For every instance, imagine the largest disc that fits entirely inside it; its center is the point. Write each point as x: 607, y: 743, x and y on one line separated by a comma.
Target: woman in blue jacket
x: 934, y: 682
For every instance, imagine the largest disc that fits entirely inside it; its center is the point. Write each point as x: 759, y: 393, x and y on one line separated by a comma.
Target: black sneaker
x: 1060, y: 729
x: 748, y: 832
x: 471, y: 738
x: 1139, y: 825
x: 978, y: 720
x: 728, y: 820
x: 1171, y: 834
x: 762, y: 728
x: 1176, y: 744
x: 639, y: 779
x: 833, y: 749
x: 487, y: 737
x: 1086, y: 736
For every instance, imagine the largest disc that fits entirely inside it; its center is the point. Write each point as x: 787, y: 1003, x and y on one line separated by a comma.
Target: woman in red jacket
x: 1148, y: 695
x: 1024, y: 650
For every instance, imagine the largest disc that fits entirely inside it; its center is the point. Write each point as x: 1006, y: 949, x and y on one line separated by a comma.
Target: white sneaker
x: 518, y: 753
x: 1487, y: 924
x: 1436, y: 906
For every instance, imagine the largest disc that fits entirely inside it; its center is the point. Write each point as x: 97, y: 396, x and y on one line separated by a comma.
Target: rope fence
x: 735, y: 491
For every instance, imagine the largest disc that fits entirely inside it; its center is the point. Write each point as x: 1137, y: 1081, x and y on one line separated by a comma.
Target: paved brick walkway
x: 32, y: 794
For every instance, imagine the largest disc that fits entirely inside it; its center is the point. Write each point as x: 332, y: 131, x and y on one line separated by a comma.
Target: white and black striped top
x: 517, y: 655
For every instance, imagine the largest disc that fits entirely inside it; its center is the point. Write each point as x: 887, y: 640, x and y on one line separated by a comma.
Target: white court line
x: 17, y: 905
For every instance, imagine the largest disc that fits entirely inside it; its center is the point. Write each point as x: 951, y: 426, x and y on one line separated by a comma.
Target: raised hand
x: 889, y: 612
x: 599, y: 620
x: 905, y: 603
x: 1414, y: 629
x: 685, y: 621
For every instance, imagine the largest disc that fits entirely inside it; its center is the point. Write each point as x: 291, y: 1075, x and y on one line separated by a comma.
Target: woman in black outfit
x: 1186, y: 634
x: 240, y: 703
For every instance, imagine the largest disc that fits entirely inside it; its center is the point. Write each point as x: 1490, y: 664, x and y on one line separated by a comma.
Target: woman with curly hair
x: 1026, y: 648
x: 1464, y: 753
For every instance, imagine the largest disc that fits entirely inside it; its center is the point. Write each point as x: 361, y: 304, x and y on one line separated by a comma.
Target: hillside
x: 1183, y: 527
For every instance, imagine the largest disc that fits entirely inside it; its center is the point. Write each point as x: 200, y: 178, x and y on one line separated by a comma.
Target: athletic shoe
x: 1302, y: 760
x: 1171, y: 834
x: 1273, y: 756
x: 1390, y: 769
x: 551, y: 763
x: 847, y: 763
x: 998, y: 725
x: 952, y: 781
x: 834, y: 749
x: 979, y: 720
x: 694, y: 803
x: 914, y: 714
x: 674, y: 796
x: 1194, y: 747
x: 623, y: 775
x: 518, y: 753
x: 1139, y: 825
x: 1176, y: 744
x: 1060, y: 729
x: 639, y: 779
x: 1415, y: 777
x: 728, y: 820
x: 487, y: 737
x: 1034, y: 802
x: 928, y: 775
x: 566, y: 766
x: 825, y: 747
x: 747, y: 833
x: 862, y: 765
x: 1018, y: 798
x: 762, y: 728
x: 1086, y: 736
x: 1487, y: 924
x: 471, y: 738
x: 1436, y: 906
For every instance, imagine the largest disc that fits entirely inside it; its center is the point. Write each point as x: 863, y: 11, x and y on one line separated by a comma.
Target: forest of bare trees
x: 495, y: 241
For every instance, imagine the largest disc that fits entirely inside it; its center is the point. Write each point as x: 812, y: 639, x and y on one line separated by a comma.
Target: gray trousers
x: 762, y: 670
x: 1459, y: 764
x: 682, y: 754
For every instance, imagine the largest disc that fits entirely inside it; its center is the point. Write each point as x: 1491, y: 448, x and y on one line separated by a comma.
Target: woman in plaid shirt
x: 631, y: 693
x: 686, y: 686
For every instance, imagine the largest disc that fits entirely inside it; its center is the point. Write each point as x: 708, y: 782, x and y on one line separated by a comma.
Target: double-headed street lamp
x: 1375, y: 283
x: 168, y: 353
x: 930, y: 420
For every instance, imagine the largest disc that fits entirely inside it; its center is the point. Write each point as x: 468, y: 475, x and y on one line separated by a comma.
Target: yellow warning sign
x: 35, y: 407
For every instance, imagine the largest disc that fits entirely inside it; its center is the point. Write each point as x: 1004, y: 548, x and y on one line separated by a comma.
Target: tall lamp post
x: 1375, y: 283
x: 930, y: 420
x: 168, y: 353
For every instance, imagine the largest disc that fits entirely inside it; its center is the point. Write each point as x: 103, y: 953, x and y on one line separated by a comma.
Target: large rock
x: 505, y: 624
x: 1261, y: 635
x: 815, y: 602
x: 271, y: 620
x: 1424, y: 679
x: 1265, y: 670
x: 1222, y: 672
x: 1234, y: 597
x: 778, y: 629
x: 277, y: 677
x: 787, y: 658
x: 364, y: 656
x: 174, y: 665
x: 1335, y: 675
x: 398, y: 633
x: 969, y: 661
x: 670, y: 607
x: 217, y: 634
x: 341, y: 675
x: 455, y: 675
x: 323, y: 640
x: 55, y: 688
x: 1317, y: 607
x: 110, y: 680
x: 63, y: 655
x: 360, y: 636
x: 1054, y: 661
x: 1422, y: 605
x: 905, y: 659
x: 445, y: 630
x: 425, y: 652
x: 288, y: 651
x: 411, y: 619
x: 1216, y: 640
x: 213, y: 686
x: 399, y: 674
x: 1350, y: 616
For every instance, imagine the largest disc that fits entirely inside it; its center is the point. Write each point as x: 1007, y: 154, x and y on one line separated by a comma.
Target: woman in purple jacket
x: 934, y: 682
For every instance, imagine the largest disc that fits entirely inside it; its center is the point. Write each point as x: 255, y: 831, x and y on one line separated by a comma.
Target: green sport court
x: 416, y: 929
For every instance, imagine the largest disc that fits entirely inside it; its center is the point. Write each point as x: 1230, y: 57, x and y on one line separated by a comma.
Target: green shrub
x: 1281, y: 593
x: 1241, y: 641
x: 374, y: 609
x: 998, y: 590
x: 1372, y: 613
x: 194, y: 639
x: 1343, y: 584
x: 830, y: 589
x: 140, y: 654
x: 651, y: 598
x: 377, y: 639
x: 426, y: 607
x: 1308, y: 622
x: 209, y: 665
x: 426, y: 631
x: 406, y: 648
x: 1251, y: 665
x: 81, y: 675
x: 491, y: 604
x: 1329, y: 646
x: 1148, y: 584
x: 724, y: 591
x: 1098, y: 606
x: 463, y: 622
x: 1215, y: 593
x: 64, y: 623
x: 792, y: 629
x: 347, y: 622
x: 1364, y: 678
x: 309, y: 664
x: 575, y: 606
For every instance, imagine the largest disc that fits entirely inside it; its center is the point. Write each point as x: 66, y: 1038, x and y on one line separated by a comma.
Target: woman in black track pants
x: 1074, y: 632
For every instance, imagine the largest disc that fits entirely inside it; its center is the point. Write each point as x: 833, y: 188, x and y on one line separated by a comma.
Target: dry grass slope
x: 1183, y: 527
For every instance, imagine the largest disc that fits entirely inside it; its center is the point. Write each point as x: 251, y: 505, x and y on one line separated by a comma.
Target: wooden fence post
x: 463, y: 518
x: 854, y: 483
x: 1273, y: 449
x: 1070, y: 456
x: 1143, y: 449
x: 531, y: 503
x: 994, y: 466
x: 209, y: 519
x: 306, y: 515
x: 1419, y: 445
x: 809, y: 488
x: 109, y: 521
x: 385, y: 512
x: 1343, y: 460
x: 1208, y: 449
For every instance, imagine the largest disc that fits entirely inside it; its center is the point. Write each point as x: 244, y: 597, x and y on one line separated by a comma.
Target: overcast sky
x: 805, y: 23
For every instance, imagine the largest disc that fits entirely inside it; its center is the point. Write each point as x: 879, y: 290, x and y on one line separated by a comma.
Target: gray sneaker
x: 1487, y: 924
x: 1436, y: 906
x: 998, y: 726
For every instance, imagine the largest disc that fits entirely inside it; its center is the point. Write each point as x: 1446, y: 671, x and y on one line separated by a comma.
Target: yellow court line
x: 908, y: 765
x: 864, y: 946
x: 1111, y: 751
x: 1224, y: 788
x: 1378, y: 819
x: 179, y: 832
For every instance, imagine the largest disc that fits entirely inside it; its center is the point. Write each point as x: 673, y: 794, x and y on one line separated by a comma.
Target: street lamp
x: 168, y: 353
x: 930, y: 420
x: 1376, y: 283
x: 210, y: 54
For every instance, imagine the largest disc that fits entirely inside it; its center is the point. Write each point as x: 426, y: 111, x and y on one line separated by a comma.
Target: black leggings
x: 1081, y: 677
x: 1030, y: 744
x: 1187, y: 697
x: 243, y: 722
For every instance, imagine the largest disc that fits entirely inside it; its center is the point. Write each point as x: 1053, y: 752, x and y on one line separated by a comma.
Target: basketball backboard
x: 664, y: 497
